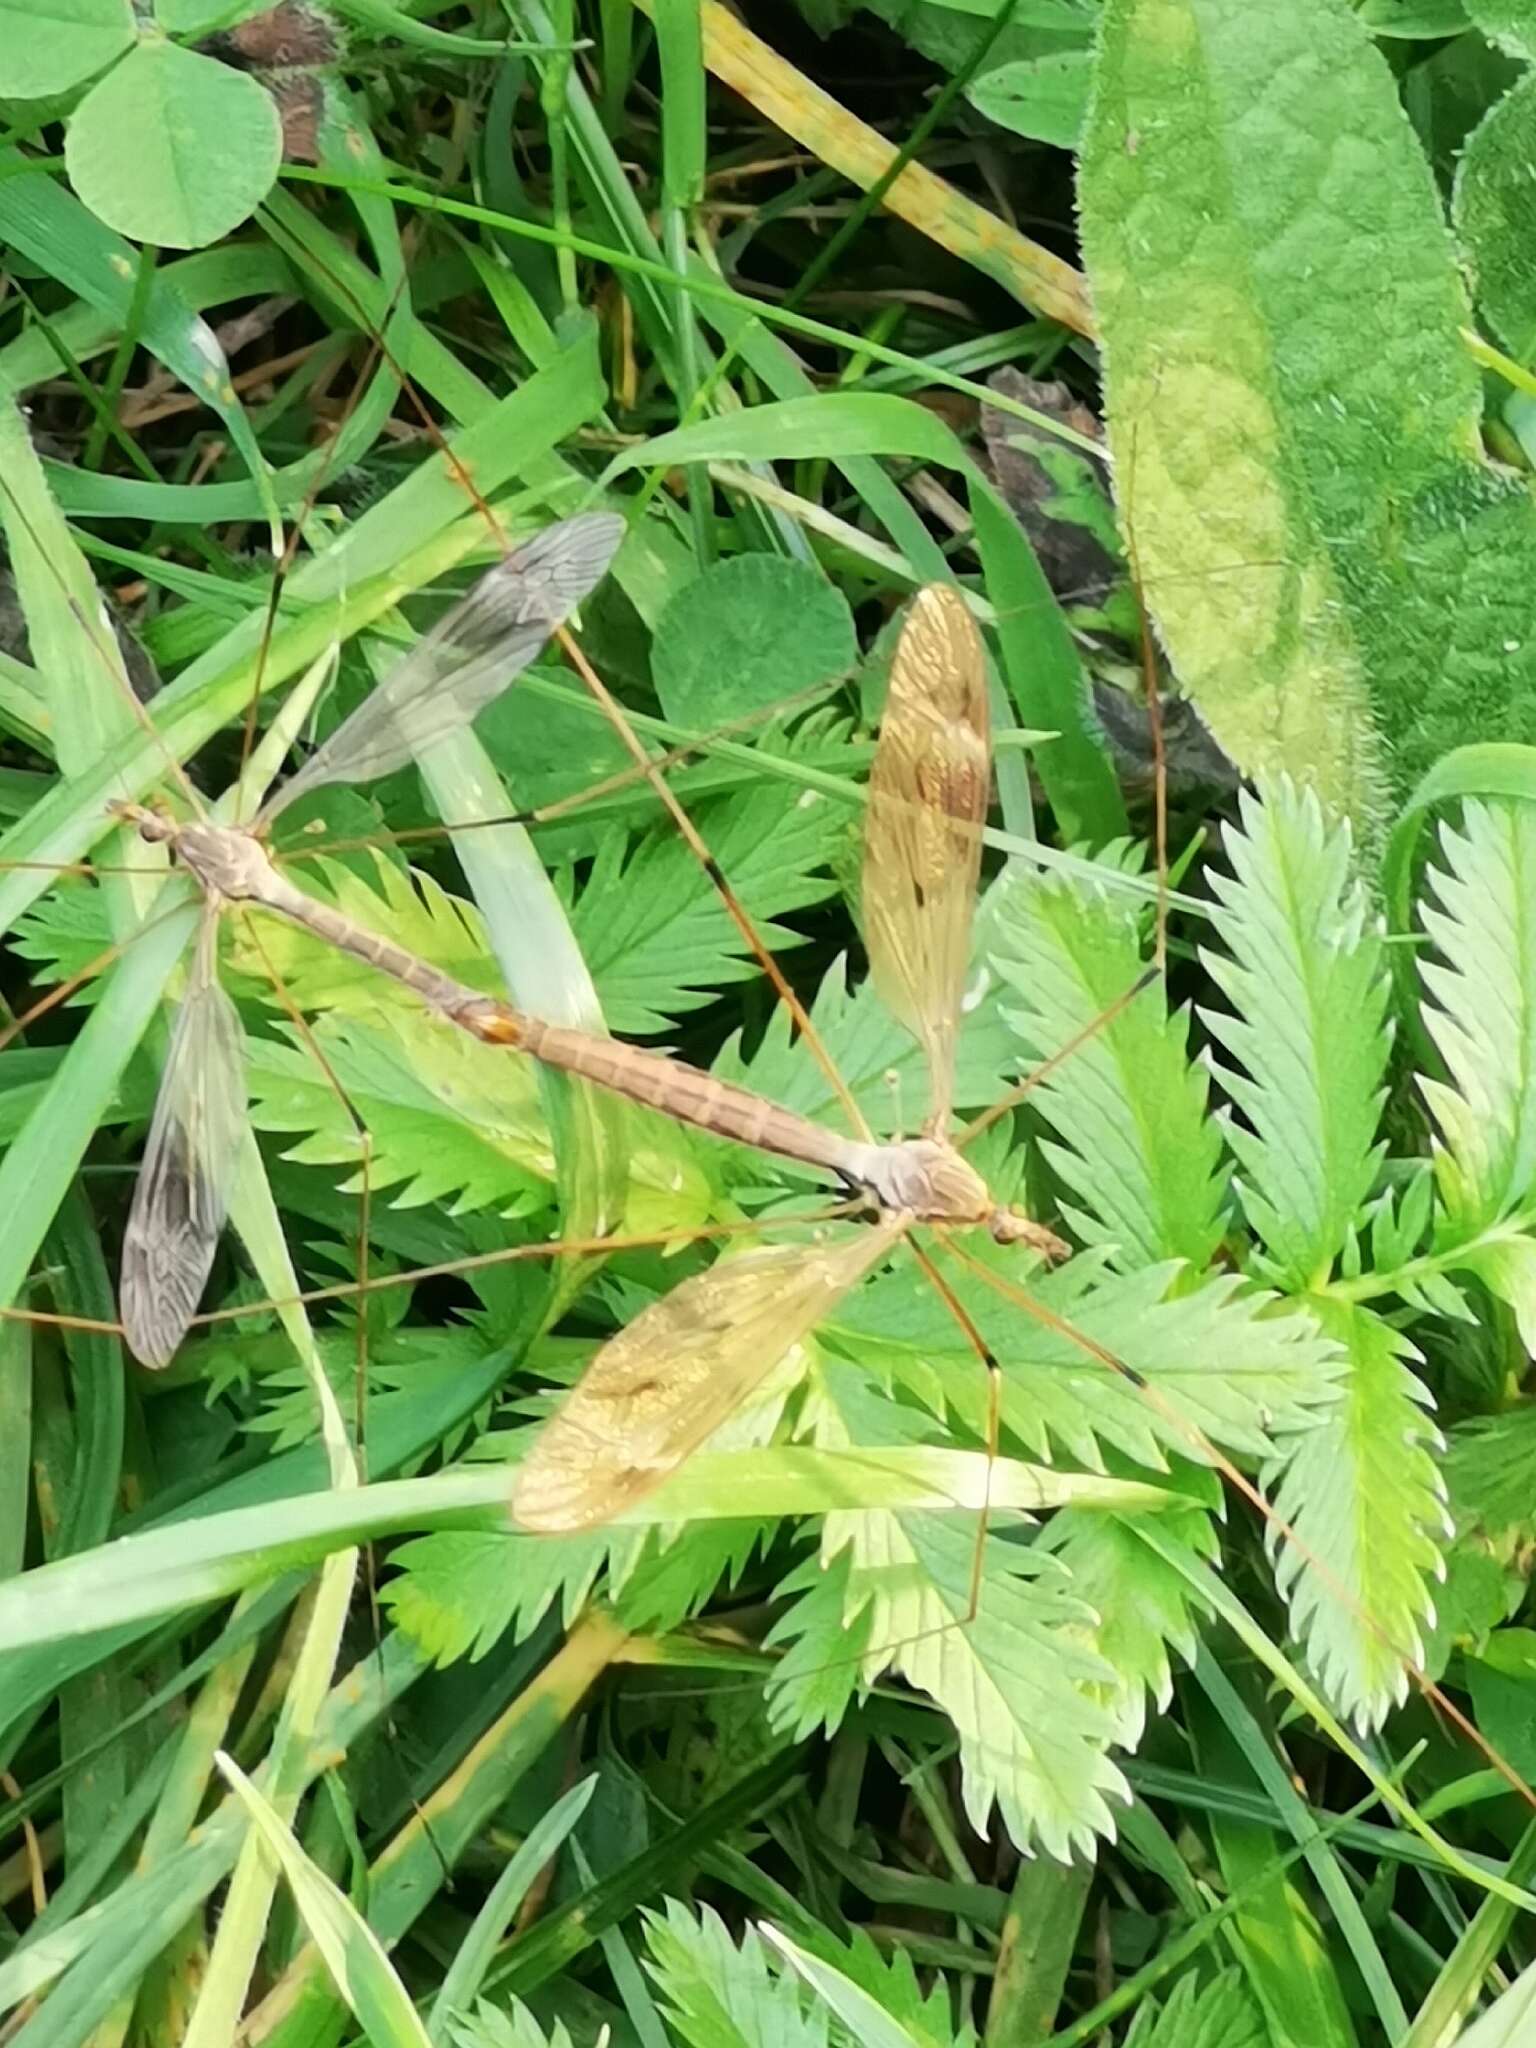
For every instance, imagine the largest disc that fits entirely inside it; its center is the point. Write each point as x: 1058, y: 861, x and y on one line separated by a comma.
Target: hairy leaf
x: 1495, y: 216
x: 1321, y: 544
x: 1303, y: 972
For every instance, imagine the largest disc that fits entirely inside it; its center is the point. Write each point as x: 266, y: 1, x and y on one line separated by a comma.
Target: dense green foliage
x: 852, y: 1732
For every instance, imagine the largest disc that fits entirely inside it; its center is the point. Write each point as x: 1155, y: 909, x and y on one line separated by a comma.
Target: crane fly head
x: 1012, y: 1226
x: 152, y: 822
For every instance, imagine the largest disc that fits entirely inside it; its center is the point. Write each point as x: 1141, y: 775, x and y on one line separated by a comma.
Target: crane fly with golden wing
x: 657, y: 1390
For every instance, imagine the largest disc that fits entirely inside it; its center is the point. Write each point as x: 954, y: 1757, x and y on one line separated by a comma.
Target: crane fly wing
x: 468, y: 658
x: 681, y: 1368
x: 182, y: 1195
x: 928, y: 794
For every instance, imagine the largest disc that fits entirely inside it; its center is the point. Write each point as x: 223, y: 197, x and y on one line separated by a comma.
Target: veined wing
x: 684, y: 1365
x: 182, y: 1196
x: 922, y: 836
x: 468, y: 658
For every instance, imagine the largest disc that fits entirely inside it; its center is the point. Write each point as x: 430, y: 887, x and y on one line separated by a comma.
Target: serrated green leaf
x: 138, y: 147
x: 1363, y: 1494
x: 499, y: 2026
x: 1304, y: 973
x: 881, y: 1063
x: 655, y: 933
x: 891, y: 1981
x: 1146, y: 1611
x: 1495, y: 214
x: 449, y: 1119
x: 747, y: 634
x: 1220, y: 1360
x: 1198, y: 2014
x: 864, y: 2018
x: 1017, y: 1678
x: 719, y: 1995
x: 1488, y: 1473
x: 457, y: 1591
x: 1400, y: 1218
x: 1138, y: 1151
x: 1479, y: 909
x: 1506, y: 1265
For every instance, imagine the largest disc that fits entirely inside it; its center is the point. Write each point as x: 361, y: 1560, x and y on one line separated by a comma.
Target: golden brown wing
x: 684, y: 1365
x: 928, y: 795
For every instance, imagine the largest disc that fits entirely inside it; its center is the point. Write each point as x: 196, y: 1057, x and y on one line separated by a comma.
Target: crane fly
x: 472, y: 655
x: 919, y: 930
x: 664, y: 1384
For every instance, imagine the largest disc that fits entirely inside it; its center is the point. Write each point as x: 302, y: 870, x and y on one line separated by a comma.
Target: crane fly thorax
x: 231, y: 863
x: 927, y: 1177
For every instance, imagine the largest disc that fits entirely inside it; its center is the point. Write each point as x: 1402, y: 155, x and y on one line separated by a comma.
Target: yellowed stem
x: 788, y: 99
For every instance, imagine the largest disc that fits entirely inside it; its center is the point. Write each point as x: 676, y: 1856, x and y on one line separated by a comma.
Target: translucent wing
x: 182, y: 1196
x: 922, y: 835
x: 468, y: 658
x: 657, y: 1390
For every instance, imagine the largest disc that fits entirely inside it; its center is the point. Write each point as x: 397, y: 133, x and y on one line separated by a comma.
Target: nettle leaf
x: 1304, y: 973
x: 1479, y: 911
x: 1145, y: 1608
x: 1138, y: 1151
x: 1223, y: 1363
x: 652, y: 927
x: 403, y: 904
x: 448, y: 1116
x: 1015, y: 1671
x: 672, y: 1580
x: 1364, y: 1496
x: 64, y: 934
x: 1400, y: 1217
x: 719, y: 1995
x: 864, y: 2019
